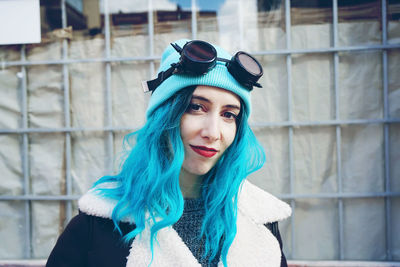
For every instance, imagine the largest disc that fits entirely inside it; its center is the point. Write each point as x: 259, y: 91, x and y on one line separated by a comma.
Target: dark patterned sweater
x: 189, y: 228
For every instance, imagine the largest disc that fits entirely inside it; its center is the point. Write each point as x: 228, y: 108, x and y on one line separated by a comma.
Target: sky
x: 132, y: 6
x: 204, y: 5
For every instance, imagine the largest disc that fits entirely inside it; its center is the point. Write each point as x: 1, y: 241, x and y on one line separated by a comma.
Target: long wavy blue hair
x: 148, y: 181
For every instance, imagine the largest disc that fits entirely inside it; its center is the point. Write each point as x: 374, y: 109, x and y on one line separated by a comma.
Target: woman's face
x: 208, y: 127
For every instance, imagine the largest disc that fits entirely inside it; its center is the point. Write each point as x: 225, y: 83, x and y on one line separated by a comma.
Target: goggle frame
x: 188, y: 64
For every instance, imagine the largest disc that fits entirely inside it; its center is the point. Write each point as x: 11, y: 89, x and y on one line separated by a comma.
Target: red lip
x: 204, y: 151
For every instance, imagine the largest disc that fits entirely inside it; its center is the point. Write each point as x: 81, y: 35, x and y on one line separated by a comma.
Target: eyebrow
x: 202, y: 98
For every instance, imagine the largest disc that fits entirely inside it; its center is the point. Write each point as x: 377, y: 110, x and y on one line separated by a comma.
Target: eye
x: 193, y: 107
x: 230, y: 115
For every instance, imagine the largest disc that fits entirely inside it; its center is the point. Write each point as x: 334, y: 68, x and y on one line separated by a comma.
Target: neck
x: 190, y: 184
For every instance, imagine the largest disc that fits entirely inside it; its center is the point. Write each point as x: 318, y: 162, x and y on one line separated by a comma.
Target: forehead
x: 216, y: 94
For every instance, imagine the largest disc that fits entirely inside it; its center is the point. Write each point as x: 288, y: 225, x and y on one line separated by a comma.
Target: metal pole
x: 194, y: 20
x: 360, y: 48
x: 282, y: 196
x: 252, y: 125
x: 151, y: 36
x: 108, y: 96
x: 338, y: 128
x: 386, y: 134
x: 67, y: 119
x: 25, y: 158
x: 290, y: 129
x: 240, y: 22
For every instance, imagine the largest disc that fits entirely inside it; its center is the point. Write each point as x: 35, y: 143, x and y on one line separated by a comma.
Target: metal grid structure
x: 335, y: 49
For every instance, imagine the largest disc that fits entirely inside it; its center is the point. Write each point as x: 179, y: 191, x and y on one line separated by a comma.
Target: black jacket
x: 90, y: 239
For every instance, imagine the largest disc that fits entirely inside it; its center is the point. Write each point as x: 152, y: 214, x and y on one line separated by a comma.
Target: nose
x: 211, y: 128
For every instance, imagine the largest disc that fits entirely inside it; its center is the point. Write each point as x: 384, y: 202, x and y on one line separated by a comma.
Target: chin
x: 198, y: 169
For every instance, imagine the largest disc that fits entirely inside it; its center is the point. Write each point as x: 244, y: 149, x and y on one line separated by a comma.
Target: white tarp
x: 314, y: 148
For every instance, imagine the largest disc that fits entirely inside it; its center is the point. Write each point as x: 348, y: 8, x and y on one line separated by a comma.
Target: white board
x: 19, y: 21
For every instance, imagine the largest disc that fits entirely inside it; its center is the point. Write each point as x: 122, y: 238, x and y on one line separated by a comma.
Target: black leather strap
x: 162, y: 76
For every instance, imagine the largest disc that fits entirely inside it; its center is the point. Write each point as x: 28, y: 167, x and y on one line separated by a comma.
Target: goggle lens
x: 249, y: 64
x: 200, y: 51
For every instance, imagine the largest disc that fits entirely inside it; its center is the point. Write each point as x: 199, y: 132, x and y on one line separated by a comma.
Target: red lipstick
x: 204, y: 151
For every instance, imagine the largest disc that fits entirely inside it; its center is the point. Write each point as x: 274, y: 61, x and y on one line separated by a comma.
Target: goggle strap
x: 223, y: 59
x: 145, y: 86
x: 177, y: 48
x: 150, y: 86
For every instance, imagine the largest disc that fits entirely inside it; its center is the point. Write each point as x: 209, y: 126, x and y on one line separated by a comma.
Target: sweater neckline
x: 193, y: 204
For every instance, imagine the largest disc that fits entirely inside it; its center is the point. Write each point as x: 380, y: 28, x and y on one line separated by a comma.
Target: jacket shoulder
x: 261, y: 206
x: 72, y: 245
x: 93, y: 204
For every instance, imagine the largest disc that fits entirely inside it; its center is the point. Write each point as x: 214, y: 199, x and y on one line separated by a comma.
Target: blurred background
x: 328, y: 114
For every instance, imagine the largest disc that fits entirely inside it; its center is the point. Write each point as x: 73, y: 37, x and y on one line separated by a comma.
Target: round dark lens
x: 200, y: 51
x: 249, y: 64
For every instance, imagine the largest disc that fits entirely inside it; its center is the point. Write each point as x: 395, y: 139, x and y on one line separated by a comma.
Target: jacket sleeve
x: 273, y: 227
x: 72, y: 245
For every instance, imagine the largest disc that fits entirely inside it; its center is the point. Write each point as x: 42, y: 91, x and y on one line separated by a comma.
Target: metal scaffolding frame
x: 109, y: 129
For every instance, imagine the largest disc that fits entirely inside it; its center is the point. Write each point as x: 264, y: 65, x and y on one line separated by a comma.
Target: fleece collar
x: 257, y: 204
x: 254, y: 244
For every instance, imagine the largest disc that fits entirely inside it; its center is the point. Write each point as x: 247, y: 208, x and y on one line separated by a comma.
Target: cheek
x: 191, y: 126
x: 230, y: 133
x: 184, y: 127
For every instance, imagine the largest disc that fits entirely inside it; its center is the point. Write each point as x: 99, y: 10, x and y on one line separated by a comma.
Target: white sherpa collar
x: 254, y: 244
x: 261, y: 206
x: 254, y: 202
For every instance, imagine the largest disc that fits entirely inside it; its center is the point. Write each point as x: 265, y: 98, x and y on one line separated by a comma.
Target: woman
x: 181, y: 198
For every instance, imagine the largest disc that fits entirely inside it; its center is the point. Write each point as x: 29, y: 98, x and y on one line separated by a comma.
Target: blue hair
x: 147, y: 186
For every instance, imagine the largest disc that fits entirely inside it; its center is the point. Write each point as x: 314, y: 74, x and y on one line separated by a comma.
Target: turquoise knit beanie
x: 219, y: 76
